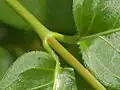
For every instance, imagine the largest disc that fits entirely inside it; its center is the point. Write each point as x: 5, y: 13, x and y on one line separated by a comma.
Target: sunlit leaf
x: 38, y: 71
x: 93, y: 16
x: 102, y: 58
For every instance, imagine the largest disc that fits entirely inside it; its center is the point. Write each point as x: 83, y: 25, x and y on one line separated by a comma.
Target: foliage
x: 103, y: 62
x: 32, y: 71
x: 96, y: 16
x: 44, y: 11
x: 94, y: 59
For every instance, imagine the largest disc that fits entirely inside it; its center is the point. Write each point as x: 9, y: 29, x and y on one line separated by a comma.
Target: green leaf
x: 5, y: 61
x: 10, y: 17
x: 38, y: 71
x: 55, y: 15
x: 102, y: 57
x: 93, y: 16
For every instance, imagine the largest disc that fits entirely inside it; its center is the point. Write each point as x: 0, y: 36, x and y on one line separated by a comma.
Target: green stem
x: 29, y: 18
x: 66, y: 39
x: 45, y: 34
x: 75, y: 63
x: 41, y: 30
x: 101, y: 34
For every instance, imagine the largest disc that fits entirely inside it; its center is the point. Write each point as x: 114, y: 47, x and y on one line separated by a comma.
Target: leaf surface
x: 93, y: 16
x: 55, y: 15
x: 37, y: 71
x: 102, y: 57
x: 10, y: 17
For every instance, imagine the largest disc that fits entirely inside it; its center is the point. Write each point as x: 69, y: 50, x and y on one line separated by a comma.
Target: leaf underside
x: 102, y: 57
x: 55, y: 15
x: 37, y: 71
x: 94, y: 16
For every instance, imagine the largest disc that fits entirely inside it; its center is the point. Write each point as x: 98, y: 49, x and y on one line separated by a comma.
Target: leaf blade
x: 102, y: 59
x: 98, y: 16
x: 55, y: 15
x: 35, y: 70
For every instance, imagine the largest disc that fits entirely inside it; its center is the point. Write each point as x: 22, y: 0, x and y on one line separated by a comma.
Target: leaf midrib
x: 27, y: 70
x: 101, y: 37
x: 41, y: 86
x: 100, y: 64
x: 105, y: 40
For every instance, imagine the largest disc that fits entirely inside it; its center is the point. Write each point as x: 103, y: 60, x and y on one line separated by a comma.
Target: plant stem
x: 75, y: 63
x: 41, y: 30
x: 45, y: 34
x: 101, y: 34
x: 66, y: 39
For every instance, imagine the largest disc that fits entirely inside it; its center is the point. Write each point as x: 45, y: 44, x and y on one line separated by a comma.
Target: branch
x: 75, y: 63
x: 45, y: 34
